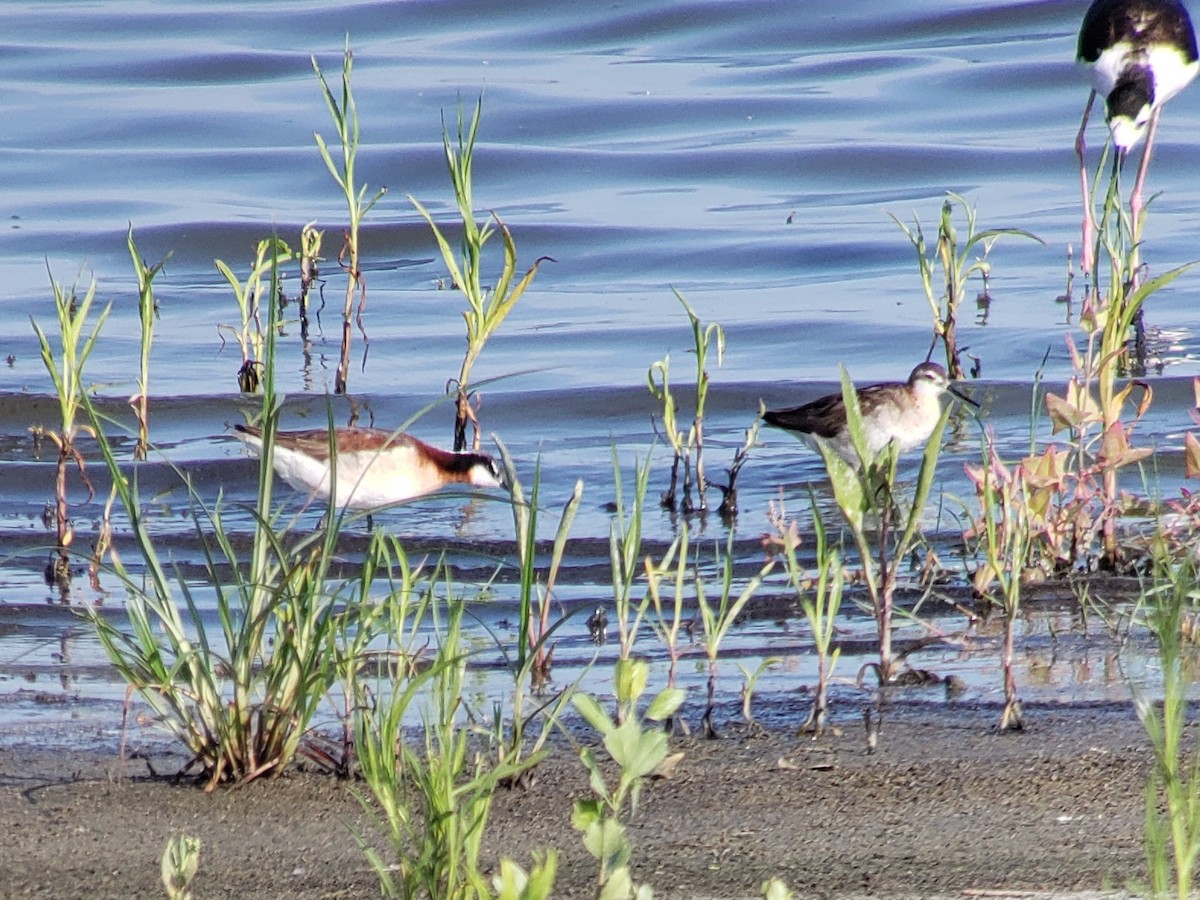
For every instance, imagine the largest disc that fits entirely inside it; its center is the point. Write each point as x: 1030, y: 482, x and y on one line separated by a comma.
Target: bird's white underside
x: 908, y: 419
x: 365, y: 479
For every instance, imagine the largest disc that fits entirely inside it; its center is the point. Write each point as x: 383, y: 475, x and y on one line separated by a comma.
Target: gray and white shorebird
x: 901, y: 412
x: 374, y: 467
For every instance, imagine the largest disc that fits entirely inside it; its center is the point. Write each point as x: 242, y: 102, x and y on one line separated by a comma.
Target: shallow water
x: 747, y: 155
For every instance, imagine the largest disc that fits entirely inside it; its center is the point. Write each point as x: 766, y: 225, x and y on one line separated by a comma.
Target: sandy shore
x: 947, y: 806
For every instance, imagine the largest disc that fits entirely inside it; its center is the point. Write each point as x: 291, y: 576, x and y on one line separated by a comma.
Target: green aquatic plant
x: 1003, y: 535
x: 76, y: 343
x: 486, y: 308
x: 536, y: 599
x: 669, y: 619
x: 1172, y: 829
x: 147, y: 314
x: 729, y: 496
x: 625, y: 553
x: 358, y: 204
x: 946, y: 268
x: 435, y: 793
x: 820, y: 600
x: 310, y: 255
x: 1119, y: 235
x: 638, y: 750
x: 687, y: 446
x: 749, y: 684
x: 718, y: 616
x: 260, y: 287
x: 531, y: 664
x: 1097, y: 411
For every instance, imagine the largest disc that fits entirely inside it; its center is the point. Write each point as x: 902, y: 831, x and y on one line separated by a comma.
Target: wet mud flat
x: 945, y: 806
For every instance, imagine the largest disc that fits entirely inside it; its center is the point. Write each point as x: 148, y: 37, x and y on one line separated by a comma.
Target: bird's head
x: 928, y: 378
x: 1129, y: 106
x: 486, y: 472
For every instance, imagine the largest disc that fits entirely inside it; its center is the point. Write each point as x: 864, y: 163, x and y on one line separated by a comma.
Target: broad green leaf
x: 1064, y: 415
x: 590, y: 710
x: 587, y: 812
x: 605, y: 840
x: 619, y: 885
x: 629, y: 679
x: 929, y: 460
x: 541, y: 878
x: 665, y: 704
x: 847, y: 486
x: 638, y: 753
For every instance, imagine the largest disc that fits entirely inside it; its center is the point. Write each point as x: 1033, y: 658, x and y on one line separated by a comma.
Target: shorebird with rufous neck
x: 374, y: 467
x: 903, y: 413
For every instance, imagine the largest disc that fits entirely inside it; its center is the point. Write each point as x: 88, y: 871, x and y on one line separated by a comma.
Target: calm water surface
x: 746, y: 155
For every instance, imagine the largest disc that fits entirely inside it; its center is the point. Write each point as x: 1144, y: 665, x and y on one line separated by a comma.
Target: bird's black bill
x: 961, y: 396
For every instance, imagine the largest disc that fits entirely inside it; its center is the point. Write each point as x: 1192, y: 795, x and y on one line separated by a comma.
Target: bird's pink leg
x: 1135, y: 198
x: 1136, y: 205
x: 1089, y: 222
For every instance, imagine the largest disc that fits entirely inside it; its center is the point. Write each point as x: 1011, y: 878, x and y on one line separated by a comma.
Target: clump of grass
x: 345, y: 121
x: 66, y: 372
x: 947, y: 267
x: 385, y: 568
x: 1172, y: 828
x: 625, y: 554
x: 638, y: 751
x: 535, y: 650
x: 1099, y: 417
x: 147, y: 314
x: 436, y: 793
x: 239, y: 697
x: 718, y: 616
x: 486, y: 308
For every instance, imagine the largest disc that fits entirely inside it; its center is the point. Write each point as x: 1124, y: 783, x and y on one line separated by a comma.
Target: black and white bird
x: 1141, y: 54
